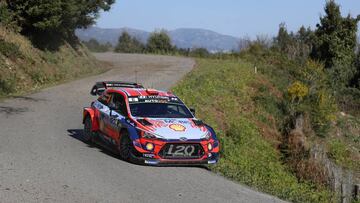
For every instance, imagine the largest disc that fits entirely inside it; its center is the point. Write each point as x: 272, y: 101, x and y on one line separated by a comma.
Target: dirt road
x: 42, y: 157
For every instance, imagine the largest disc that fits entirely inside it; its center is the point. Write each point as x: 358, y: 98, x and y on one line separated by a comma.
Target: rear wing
x: 100, y: 87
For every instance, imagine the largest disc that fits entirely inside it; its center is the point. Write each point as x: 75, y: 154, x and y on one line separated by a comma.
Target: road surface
x: 42, y: 157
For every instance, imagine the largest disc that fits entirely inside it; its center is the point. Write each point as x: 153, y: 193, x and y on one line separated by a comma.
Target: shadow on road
x: 79, y: 135
x: 26, y: 98
x: 7, y: 110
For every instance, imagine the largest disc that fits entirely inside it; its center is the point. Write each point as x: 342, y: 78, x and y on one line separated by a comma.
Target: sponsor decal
x: 177, y: 127
x: 183, y: 139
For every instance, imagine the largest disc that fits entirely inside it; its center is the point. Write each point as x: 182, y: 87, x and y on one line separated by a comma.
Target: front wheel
x: 125, y: 146
x: 87, y: 136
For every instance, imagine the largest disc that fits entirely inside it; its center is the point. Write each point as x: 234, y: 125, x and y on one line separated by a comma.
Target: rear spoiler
x: 100, y: 87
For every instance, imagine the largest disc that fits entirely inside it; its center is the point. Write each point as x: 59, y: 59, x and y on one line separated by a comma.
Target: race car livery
x: 148, y: 126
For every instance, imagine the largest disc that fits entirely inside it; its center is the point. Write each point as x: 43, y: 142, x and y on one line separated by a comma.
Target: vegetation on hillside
x: 38, y: 45
x: 25, y: 68
x: 243, y: 109
x: 304, y: 97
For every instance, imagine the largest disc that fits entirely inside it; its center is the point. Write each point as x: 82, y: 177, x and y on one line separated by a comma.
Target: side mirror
x: 192, y: 110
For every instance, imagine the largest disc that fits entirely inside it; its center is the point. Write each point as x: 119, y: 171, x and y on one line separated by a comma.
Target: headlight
x: 210, y: 147
x: 207, y: 136
x: 149, y: 146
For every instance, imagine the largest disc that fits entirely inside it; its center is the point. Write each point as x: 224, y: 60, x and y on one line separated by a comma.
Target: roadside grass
x: 223, y: 92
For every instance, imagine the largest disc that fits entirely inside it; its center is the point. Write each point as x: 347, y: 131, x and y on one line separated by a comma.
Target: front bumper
x: 154, y: 157
x: 160, y: 162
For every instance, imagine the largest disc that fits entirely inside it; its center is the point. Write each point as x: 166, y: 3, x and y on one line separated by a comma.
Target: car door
x: 116, y: 116
x: 104, y: 112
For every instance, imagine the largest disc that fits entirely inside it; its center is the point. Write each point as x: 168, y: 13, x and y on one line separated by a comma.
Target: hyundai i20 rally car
x: 148, y: 126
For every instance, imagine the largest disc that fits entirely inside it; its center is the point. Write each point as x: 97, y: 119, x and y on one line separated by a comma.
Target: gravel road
x: 42, y: 157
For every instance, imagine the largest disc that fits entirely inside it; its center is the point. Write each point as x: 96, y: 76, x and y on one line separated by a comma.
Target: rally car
x: 148, y: 126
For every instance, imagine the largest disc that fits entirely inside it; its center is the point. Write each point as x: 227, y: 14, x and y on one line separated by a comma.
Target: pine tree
x: 335, y: 43
x: 283, y: 38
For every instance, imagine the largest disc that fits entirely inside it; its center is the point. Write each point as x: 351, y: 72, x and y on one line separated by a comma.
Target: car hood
x: 179, y: 128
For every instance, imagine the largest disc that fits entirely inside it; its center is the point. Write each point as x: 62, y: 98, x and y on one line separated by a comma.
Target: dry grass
x: 29, y: 68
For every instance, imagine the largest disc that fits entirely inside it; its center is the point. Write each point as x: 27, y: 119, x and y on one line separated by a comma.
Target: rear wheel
x: 125, y: 146
x: 87, y: 130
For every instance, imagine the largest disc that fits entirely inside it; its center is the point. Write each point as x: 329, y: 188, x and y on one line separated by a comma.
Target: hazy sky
x: 232, y: 17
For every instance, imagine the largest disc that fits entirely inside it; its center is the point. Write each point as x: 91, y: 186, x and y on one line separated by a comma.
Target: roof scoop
x: 152, y: 91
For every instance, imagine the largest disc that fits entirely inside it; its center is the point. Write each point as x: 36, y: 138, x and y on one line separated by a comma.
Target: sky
x: 238, y: 18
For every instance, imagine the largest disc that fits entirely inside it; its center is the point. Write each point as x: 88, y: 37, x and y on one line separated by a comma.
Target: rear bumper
x: 161, y: 162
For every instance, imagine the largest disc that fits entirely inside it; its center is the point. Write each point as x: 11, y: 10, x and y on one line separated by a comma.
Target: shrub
x: 200, y: 52
x: 9, y: 49
x: 7, y: 86
x: 94, y: 46
x: 298, y: 91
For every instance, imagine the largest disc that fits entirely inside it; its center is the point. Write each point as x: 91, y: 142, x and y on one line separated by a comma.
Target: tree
x: 57, y: 18
x: 6, y: 17
x: 159, y: 42
x: 283, y: 38
x: 128, y: 44
x: 335, y: 43
x: 355, y: 82
x: 304, y: 42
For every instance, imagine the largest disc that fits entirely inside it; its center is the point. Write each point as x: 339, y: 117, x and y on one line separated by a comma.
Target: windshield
x: 159, y: 110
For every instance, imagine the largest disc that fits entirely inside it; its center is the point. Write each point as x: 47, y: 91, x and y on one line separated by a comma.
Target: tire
x: 125, y: 146
x: 87, y: 135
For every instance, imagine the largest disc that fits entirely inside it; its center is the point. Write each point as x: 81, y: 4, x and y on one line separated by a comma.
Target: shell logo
x: 177, y: 127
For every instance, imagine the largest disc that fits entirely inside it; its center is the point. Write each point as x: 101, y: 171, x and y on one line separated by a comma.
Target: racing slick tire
x: 87, y: 135
x: 126, y: 147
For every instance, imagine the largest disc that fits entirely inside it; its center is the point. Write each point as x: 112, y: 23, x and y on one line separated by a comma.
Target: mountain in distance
x: 182, y: 38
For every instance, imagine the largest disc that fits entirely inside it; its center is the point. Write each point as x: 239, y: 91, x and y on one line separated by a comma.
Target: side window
x: 104, y: 99
x: 119, y: 103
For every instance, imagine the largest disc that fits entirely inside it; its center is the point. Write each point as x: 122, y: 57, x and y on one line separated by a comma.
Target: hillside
x: 24, y: 68
x: 244, y: 113
x: 265, y: 141
x: 182, y: 38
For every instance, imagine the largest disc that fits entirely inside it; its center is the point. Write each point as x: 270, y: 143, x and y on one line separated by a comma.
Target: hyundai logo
x: 183, y: 139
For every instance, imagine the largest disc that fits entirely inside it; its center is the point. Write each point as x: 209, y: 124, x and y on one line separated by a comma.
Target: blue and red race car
x: 148, y: 126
